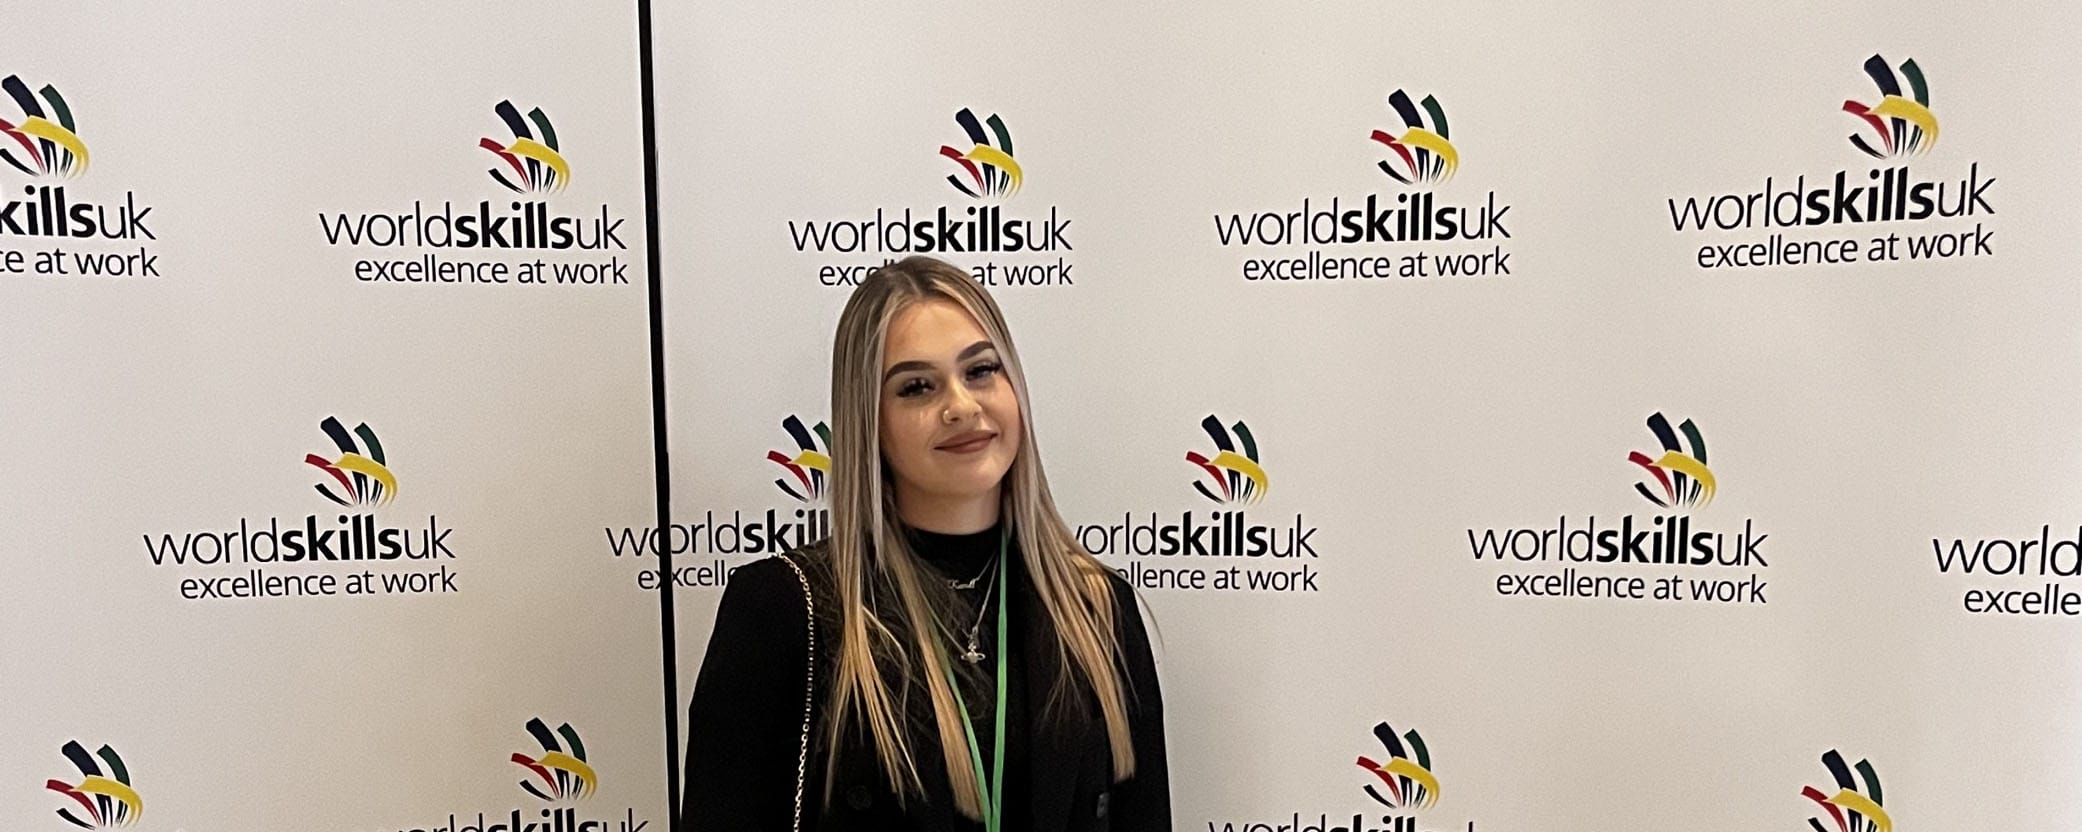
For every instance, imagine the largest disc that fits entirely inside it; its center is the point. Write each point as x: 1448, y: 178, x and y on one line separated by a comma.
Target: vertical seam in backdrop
x: 661, y: 470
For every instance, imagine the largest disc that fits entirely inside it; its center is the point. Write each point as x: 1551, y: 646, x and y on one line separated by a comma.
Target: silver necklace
x: 972, y: 652
x: 971, y: 583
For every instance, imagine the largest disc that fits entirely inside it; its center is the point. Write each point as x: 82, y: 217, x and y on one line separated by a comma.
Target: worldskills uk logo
x: 560, y: 769
x: 987, y: 166
x: 1681, y: 477
x: 1233, y: 468
x: 1229, y: 545
x: 103, y: 793
x: 515, y: 237
x: 563, y: 782
x: 1384, y: 234
x: 1856, y: 805
x: 359, y: 476
x: 1425, y: 149
x: 92, y: 232
x: 754, y: 528
x: 1000, y: 244
x: 1902, y: 125
x: 1405, y: 775
x: 1887, y: 210
x: 808, y: 467
x: 1605, y: 558
x: 1399, y: 779
x: 532, y: 161
x: 336, y: 551
x: 46, y: 141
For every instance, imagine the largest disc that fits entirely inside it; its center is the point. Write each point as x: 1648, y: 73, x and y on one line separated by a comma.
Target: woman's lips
x: 967, y: 443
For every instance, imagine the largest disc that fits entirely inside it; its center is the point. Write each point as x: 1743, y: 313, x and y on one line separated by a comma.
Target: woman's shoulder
x: 1117, y: 587
x: 774, y: 585
x: 1126, y: 602
x: 1130, y: 626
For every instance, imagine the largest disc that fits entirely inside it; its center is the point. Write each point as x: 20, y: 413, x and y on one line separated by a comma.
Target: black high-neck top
x: 745, y: 721
x: 960, y: 558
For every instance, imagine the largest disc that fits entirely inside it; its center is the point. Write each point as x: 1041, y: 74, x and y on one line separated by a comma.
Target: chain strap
x: 809, y: 687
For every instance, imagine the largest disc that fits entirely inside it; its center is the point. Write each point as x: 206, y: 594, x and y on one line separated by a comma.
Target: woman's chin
x: 967, y: 482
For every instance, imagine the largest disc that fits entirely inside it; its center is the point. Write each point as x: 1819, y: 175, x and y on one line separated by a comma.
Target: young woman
x: 950, y: 659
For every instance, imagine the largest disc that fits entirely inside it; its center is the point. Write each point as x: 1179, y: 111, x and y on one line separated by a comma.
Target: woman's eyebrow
x: 907, y: 366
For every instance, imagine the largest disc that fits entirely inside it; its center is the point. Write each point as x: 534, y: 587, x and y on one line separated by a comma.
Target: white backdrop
x: 513, y: 414
x: 1851, y: 413
x: 1858, y: 420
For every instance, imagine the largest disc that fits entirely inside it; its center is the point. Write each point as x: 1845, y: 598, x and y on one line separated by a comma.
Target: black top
x: 745, y: 721
x: 972, y: 557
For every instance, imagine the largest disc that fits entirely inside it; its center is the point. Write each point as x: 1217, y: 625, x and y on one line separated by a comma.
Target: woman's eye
x: 913, y: 387
x: 984, y: 370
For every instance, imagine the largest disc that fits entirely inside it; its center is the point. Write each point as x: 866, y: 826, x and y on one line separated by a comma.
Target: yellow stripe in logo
x: 363, y: 465
x: 996, y: 158
x: 1241, y: 464
x: 1691, y: 467
x: 39, y: 127
x: 589, y: 782
x: 1403, y: 767
x: 1863, y: 805
x: 105, y: 786
x: 1420, y: 137
x: 541, y: 153
x: 1895, y: 106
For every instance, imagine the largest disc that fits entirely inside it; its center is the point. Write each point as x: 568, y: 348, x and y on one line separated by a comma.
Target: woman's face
x: 950, y: 421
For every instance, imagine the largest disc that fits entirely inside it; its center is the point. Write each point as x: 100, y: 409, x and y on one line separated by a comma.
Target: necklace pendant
x: 972, y: 655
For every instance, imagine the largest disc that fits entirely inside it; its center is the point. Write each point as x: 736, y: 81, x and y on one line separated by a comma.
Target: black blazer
x: 744, y: 727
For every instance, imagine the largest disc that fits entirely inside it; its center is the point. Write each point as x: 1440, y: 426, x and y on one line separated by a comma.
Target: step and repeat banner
x: 1588, y: 418
x: 325, y: 360
x: 1605, y: 416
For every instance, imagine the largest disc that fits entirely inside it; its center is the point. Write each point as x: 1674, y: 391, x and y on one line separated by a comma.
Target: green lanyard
x: 994, y: 800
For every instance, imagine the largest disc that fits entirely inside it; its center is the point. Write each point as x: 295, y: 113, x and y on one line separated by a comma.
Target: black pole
x: 661, y: 462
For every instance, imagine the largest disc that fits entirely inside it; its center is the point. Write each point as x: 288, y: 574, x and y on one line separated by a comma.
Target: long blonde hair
x: 868, y: 551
